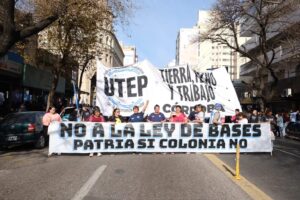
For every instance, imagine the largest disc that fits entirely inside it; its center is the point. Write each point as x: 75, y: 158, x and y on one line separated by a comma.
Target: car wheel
x: 41, y: 143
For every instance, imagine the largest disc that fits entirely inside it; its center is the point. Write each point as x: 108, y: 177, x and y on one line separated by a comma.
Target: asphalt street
x: 277, y: 175
x: 29, y: 174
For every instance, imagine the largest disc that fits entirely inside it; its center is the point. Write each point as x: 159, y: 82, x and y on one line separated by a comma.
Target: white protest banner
x: 87, y: 137
x: 125, y: 87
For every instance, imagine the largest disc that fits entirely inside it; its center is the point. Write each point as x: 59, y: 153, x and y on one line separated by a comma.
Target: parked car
x: 293, y: 129
x: 23, y: 128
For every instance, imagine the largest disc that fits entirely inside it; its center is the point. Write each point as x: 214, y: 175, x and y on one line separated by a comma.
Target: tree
x: 11, y: 28
x: 75, y: 34
x: 267, y: 21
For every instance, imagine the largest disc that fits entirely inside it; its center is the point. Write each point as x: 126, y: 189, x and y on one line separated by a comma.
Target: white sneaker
x: 99, y: 154
x: 58, y: 154
x: 91, y: 154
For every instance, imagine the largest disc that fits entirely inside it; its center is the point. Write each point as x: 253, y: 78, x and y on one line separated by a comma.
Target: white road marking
x: 287, y: 152
x: 84, y: 190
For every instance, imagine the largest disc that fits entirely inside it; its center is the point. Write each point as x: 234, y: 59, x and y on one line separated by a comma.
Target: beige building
x: 130, y: 55
x: 111, y: 55
x: 187, y: 47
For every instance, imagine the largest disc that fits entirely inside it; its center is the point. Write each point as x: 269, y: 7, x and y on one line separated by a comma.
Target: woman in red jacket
x: 96, y: 117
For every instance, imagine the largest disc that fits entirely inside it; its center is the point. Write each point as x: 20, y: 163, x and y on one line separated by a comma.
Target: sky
x: 153, y: 28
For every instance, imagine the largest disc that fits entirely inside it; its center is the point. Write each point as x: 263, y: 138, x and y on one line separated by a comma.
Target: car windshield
x: 18, y: 118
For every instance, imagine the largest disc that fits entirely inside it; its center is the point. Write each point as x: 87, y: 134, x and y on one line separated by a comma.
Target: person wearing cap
x: 138, y: 116
x: 178, y: 115
x: 215, y: 115
x: 156, y: 116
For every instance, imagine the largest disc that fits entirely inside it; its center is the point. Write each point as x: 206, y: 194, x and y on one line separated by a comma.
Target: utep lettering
x: 134, y: 85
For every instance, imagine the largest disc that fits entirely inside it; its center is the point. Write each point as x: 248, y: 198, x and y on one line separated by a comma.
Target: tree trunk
x: 262, y: 105
x: 54, y: 83
x: 80, y: 83
x: 85, y: 64
x: 10, y: 35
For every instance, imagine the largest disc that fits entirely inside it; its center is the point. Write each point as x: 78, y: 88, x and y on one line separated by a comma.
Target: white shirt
x: 200, y: 116
x: 243, y: 121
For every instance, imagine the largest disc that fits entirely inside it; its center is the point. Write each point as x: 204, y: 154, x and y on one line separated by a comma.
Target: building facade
x: 187, y: 47
x: 286, y: 63
x: 202, y: 54
x: 214, y: 55
x: 111, y: 55
x: 130, y: 54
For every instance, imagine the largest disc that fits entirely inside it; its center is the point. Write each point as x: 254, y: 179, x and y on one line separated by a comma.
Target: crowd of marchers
x: 278, y: 122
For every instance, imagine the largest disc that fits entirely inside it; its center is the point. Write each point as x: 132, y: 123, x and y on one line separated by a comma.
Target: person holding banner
x: 241, y: 118
x: 178, y: 115
x: 215, y: 115
x: 156, y: 116
x: 116, y: 117
x: 48, y: 118
x: 234, y: 118
x: 138, y: 116
x: 96, y: 116
x: 197, y: 115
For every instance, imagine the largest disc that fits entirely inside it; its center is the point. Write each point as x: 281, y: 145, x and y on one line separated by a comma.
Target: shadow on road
x: 21, y: 150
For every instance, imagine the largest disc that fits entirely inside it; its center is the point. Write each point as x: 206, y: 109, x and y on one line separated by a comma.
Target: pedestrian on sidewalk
x: 286, y: 120
x: 280, y: 124
x: 254, y: 118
